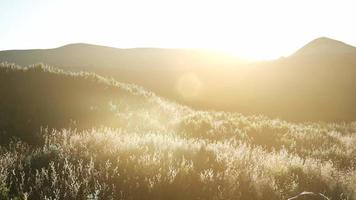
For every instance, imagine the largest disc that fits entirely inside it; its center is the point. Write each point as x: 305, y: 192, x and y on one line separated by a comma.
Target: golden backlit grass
x: 116, y: 164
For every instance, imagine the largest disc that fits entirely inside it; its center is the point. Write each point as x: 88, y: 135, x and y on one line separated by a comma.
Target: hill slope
x: 40, y: 96
x: 317, y: 83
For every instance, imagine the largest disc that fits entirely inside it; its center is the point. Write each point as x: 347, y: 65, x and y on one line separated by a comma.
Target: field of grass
x: 86, y: 137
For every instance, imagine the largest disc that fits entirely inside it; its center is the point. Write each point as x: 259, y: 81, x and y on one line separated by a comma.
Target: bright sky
x: 260, y: 29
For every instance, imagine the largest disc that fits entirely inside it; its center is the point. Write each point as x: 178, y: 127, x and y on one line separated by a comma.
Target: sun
x: 247, y: 54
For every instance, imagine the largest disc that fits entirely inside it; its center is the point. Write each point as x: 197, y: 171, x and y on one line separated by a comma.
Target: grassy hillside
x: 314, y: 84
x: 43, y: 96
x: 108, y: 140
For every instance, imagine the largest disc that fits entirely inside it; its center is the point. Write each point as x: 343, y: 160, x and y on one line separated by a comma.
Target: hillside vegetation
x: 81, y: 136
x: 43, y: 96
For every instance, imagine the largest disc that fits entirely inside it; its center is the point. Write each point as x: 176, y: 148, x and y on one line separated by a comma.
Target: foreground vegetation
x: 126, y: 143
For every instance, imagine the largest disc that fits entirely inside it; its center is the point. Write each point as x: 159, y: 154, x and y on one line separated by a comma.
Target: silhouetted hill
x: 83, y: 56
x: 317, y: 83
x: 325, y: 46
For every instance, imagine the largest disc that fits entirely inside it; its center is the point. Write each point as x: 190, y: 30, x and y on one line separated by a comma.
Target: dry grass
x: 159, y: 150
x: 116, y: 164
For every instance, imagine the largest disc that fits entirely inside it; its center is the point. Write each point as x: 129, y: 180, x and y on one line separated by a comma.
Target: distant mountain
x: 325, y: 46
x: 83, y: 56
x: 317, y: 83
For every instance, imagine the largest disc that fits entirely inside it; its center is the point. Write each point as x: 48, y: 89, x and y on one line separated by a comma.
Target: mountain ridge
x: 309, y: 86
x: 310, y: 46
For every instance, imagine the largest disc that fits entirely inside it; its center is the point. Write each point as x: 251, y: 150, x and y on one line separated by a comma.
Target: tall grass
x: 116, y: 164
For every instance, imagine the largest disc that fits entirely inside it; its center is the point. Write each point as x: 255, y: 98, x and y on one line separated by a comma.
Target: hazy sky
x: 250, y: 28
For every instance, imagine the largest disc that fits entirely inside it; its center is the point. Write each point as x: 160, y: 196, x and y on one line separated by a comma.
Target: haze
x: 250, y: 29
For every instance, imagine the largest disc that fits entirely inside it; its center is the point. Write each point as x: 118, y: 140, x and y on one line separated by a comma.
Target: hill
x: 325, y: 46
x: 84, y: 56
x: 41, y: 96
x: 314, y: 84
x: 101, y: 139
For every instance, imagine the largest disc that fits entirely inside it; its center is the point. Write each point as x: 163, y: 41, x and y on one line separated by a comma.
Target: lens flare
x: 189, y: 86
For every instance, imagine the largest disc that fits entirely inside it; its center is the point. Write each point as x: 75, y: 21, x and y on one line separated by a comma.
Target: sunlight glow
x: 252, y: 29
